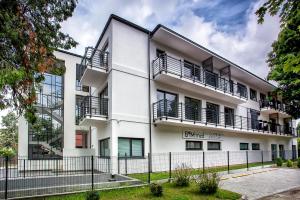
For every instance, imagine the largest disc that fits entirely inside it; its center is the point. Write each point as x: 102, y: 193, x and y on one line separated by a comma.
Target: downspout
x: 149, y: 97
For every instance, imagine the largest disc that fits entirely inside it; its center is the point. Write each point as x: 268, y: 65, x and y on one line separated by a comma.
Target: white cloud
x: 247, y: 47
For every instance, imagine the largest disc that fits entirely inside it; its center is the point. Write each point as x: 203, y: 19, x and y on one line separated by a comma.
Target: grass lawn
x: 170, y: 192
x: 165, y: 175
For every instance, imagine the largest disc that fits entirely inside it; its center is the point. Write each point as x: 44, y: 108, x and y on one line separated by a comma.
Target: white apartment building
x: 140, y: 91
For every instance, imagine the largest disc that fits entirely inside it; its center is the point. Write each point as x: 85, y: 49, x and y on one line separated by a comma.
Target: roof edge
x: 70, y: 53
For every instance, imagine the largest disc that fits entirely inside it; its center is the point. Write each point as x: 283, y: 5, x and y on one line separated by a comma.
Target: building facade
x: 139, y: 91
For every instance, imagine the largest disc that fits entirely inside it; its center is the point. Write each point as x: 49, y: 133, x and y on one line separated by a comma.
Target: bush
x: 92, y: 195
x: 7, y: 152
x: 208, y: 183
x: 298, y: 162
x: 182, y: 175
x: 279, y: 162
x: 156, y: 189
x: 289, y: 163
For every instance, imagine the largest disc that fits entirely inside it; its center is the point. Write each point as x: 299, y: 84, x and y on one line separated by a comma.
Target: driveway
x: 263, y: 182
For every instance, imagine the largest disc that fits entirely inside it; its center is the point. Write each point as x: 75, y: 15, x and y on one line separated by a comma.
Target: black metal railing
x: 167, y: 64
x: 94, y: 58
x: 92, y: 106
x: 273, y: 104
x: 166, y: 109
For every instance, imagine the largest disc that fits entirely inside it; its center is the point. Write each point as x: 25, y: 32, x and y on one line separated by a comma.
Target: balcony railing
x: 165, y: 109
x: 276, y: 105
x: 94, y: 58
x: 167, y: 64
x: 94, y: 107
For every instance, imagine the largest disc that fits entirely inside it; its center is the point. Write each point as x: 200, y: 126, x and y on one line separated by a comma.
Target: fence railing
x: 92, y: 106
x: 94, y: 58
x: 166, y: 109
x: 182, y: 69
x: 273, y: 104
x: 21, y: 177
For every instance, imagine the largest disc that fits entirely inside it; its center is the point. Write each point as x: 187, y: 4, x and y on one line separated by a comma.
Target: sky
x: 227, y: 27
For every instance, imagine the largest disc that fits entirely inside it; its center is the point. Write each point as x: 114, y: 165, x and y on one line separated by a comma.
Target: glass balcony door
x: 229, y: 116
x: 167, y: 104
x: 192, y: 109
x: 211, y: 79
x: 212, y: 113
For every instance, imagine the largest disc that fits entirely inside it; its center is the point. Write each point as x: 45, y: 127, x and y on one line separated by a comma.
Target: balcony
x: 271, y: 107
x: 196, y: 79
x: 93, y: 110
x: 94, y: 67
x: 173, y: 113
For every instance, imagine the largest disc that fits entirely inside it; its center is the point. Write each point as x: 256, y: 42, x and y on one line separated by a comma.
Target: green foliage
x: 7, y: 152
x: 298, y: 162
x: 289, y: 163
x: 284, y: 59
x: 9, y: 132
x: 92, y: 195
x: 156, y: 189
x: 208, y: 183
x: 182, y: 175
x: 279, y: 162
x: 30, y: 32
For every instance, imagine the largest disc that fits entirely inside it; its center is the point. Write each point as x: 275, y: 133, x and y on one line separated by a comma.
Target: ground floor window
x: 255, y: 146
x: 193, y: 145
x: 104, y: 147
x: 213, y: 145
x: 81, y: 139
x: 131, y: 147
x: 244, y: 146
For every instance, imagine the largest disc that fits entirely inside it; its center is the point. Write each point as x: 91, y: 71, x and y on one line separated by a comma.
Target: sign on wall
x: 201, y: 135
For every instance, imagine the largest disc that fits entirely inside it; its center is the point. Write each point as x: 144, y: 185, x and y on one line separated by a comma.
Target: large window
x: 193, y: 145
x: 213, y: 146
x: 255, y: 146
x: 104, y: 148
x: 211, y: 78
x: 212, y: 113
x: 167, y: 104
x: 253, y: 95
x: 131, y: 147
x: 254, y: 119
x: 81, y: 139
x: 244, y: 146
x: 242, y: 90
x: 191, y: 70
x: 78, y: 107
x: 229, y: 116
x: 80, y: 87
x: 192, y: 109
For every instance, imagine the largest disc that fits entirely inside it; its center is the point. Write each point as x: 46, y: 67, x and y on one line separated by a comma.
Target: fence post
x: 262, y: 159
x: 84, y: 162
x: 118, y: 163
x: 126, y: 164
x: 56, y: 163
x: 6, y: 177
x: 203, y: 167
x: 228, y: 162
x: 149, y: 170
x: 92, y: 172
x: 24, y: 168
x: 170, y: 166
x: 247, y: 160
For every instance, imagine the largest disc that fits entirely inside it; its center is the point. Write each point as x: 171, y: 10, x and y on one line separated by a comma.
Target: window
x: 229, y: 116
x: 262, y: 97
x: 81, y: 140
x: 192, y: 109
x: 212, y: 113
x: 211, y: 78
x: 213, y: 145
x: 242, y: 90
x: 191, y: 70
x: 193, y: 145
x: 254, y: 119
x: 159, y: 52
x: 104, y: 147
x: 244, y: 146
x: 78, y: 107
x: 80, y: 87
x: 167, y: 104
x: 253, y: 95
x: 131, y: 147
x: 255, y: 146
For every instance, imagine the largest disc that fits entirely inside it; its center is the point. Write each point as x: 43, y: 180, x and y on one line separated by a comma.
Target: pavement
x: 293, y: 194
x: 260, y: 183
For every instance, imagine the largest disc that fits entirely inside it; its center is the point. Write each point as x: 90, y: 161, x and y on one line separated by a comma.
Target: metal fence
x: 21, y: 177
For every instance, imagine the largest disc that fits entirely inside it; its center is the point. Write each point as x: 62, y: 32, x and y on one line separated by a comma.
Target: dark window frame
x: 253, y: 94
x: 244, y: 143
x: 239, y: 90
x: 130, y: 147
x: 210, y: 149
x: 255, y: 149
x: 100, y: 144
x: 194, y: 149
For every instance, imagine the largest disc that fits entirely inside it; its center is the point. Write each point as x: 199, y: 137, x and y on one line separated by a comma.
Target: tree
x: 9, y: 132
x: 284, y: 59
x: 29, y: 34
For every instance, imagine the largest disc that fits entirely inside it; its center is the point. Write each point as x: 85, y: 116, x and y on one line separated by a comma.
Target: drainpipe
x: 149, y: 97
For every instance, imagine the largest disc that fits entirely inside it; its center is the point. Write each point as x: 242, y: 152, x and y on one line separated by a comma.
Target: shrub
x: 289, y: 163
x: 7, y: 151
x: 279, y: 162
x: 156, y: 189
x: 298, y: 162
x: 92, y: 195
x: 208, y: 183
x: 182, y: 175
